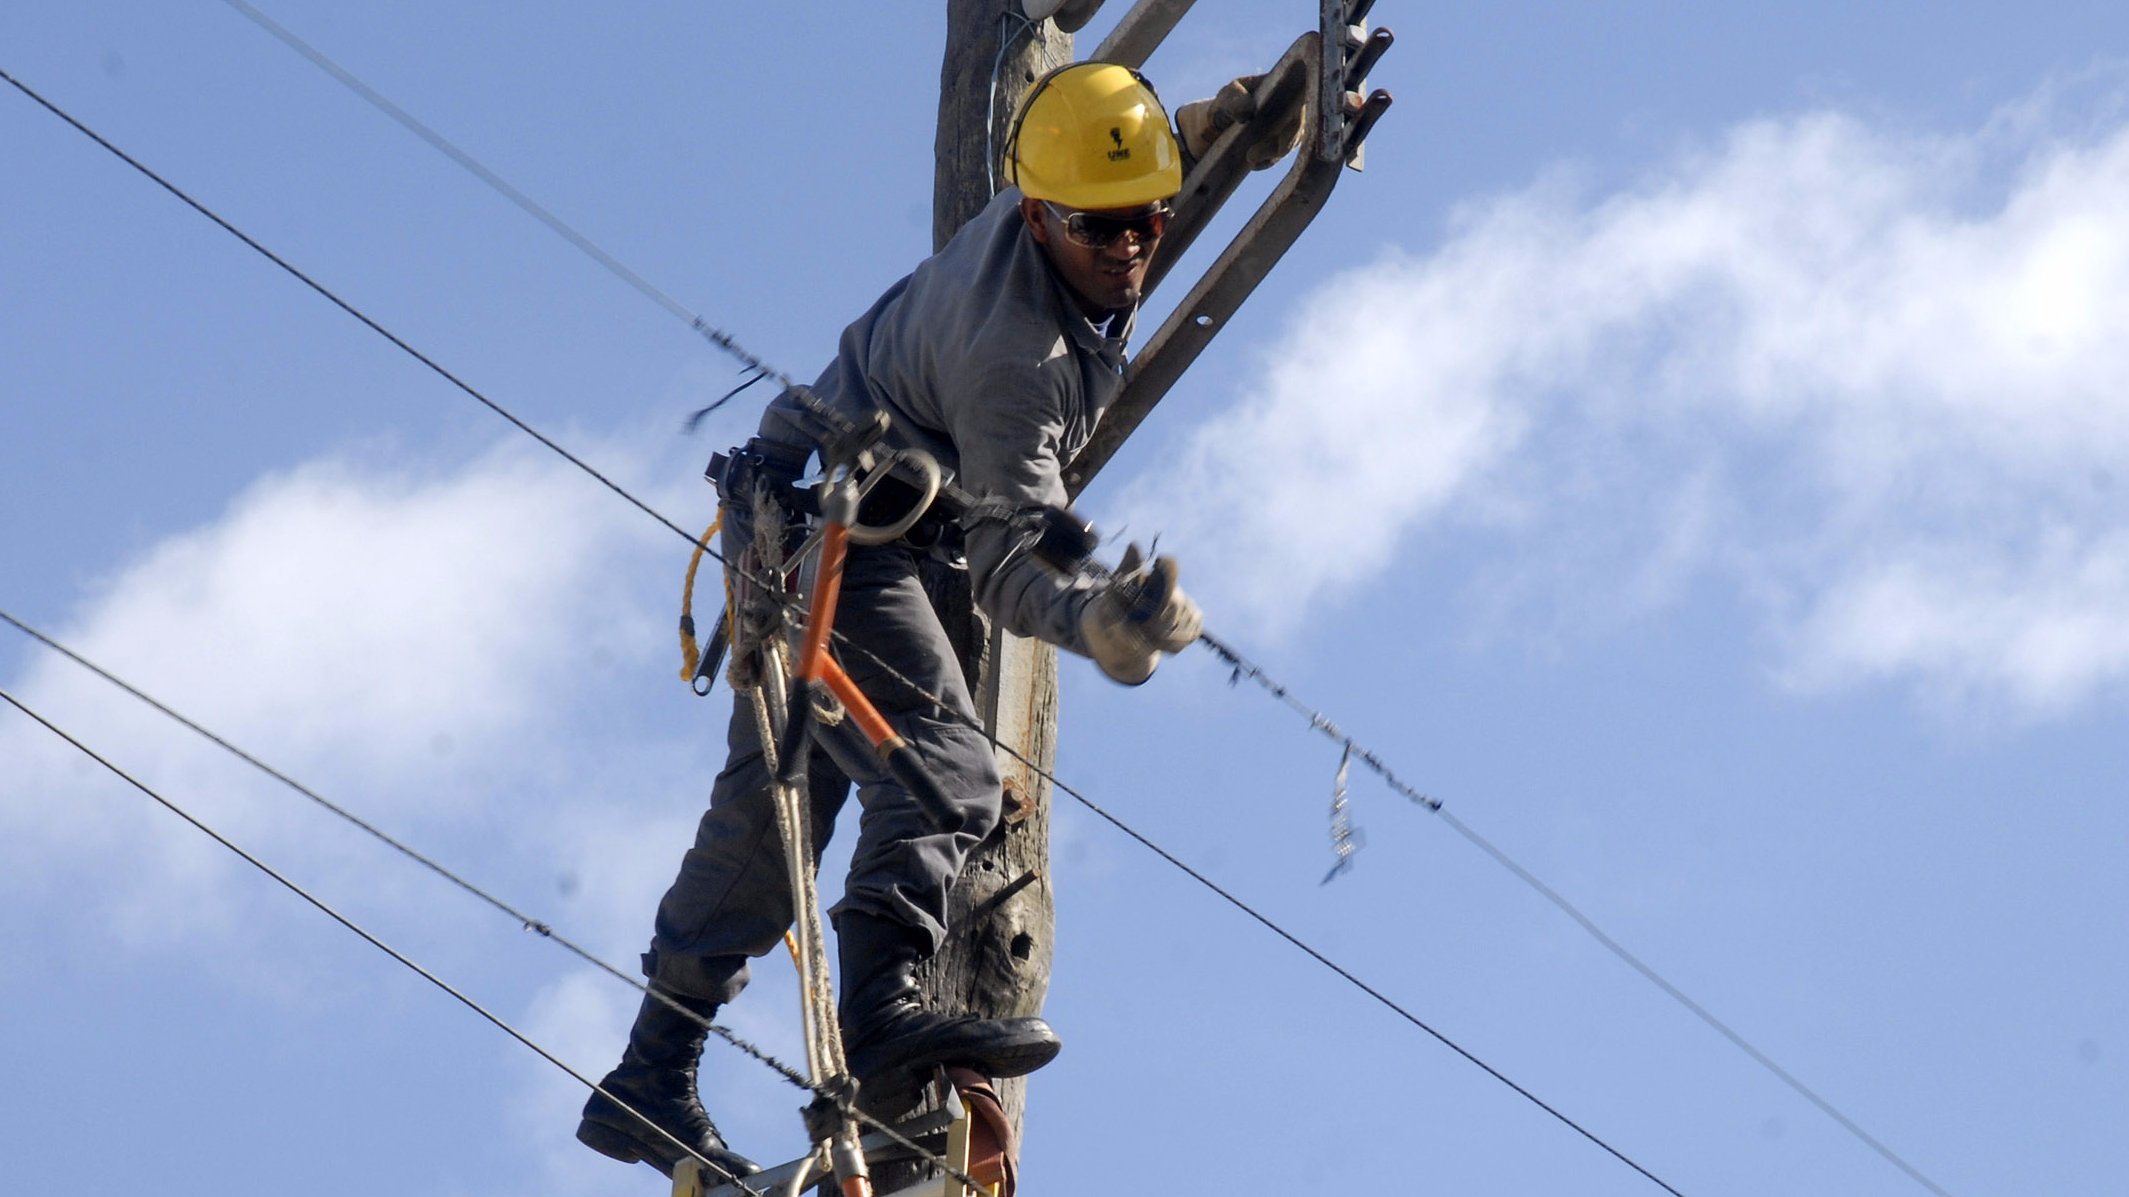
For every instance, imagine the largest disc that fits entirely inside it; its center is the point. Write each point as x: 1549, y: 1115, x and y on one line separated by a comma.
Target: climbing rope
x: 761, y: 679
x: 770, y: 699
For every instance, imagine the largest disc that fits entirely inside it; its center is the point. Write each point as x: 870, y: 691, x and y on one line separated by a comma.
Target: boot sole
x: 613, y: 1144
x: 1001, y: 1064
x: 1011, y: 1062
x: 616, y: 1144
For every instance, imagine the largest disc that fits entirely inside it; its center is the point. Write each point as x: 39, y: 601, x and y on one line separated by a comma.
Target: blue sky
x: 1691, y: 451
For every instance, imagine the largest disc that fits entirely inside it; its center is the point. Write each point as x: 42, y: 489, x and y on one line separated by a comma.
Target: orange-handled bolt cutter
x: 817, y: 669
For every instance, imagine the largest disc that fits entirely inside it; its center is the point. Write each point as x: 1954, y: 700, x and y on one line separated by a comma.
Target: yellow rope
x: 690, y: 651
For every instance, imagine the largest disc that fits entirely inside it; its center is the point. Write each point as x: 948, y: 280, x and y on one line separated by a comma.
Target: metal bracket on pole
x: 933, y: 1131
x: 1298, y: 76
x: 1140, y: 32
x: 1344, y: 111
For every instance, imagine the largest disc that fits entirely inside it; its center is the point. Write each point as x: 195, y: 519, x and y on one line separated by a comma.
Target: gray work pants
x: 732, y: 898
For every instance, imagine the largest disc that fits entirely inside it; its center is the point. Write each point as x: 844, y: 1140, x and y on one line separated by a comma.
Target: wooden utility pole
x: 996, y: 961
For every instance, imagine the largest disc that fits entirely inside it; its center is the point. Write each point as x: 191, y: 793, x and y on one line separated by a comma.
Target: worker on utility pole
x: 996, y: 355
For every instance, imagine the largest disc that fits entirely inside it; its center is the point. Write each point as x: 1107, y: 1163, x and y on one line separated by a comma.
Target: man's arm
x: 1009, y: 432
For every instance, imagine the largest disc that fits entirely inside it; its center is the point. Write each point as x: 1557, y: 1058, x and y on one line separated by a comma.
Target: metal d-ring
x: 927, y: 469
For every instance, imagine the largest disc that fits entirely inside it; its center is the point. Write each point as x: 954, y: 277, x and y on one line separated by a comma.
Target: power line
x: 346, y: 922
x: 539, y: 927
x: 545, y: 930
x: 1244, y: 668
x: 343, y: 305
x: 1359, y: 984
x: 726, y: 342
x: 533, y: 208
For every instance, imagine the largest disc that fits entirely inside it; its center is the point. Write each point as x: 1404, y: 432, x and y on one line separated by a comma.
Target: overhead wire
x: 1244, y: 668
x: 444, y: 146
x: 546, y: 930
x: 540, y: 927
x: 326, y: 293
x: 350, y: 924
x: 537, y: 926
x: 1350, y: 978
x: 726, y: 342
x: 538, y: 211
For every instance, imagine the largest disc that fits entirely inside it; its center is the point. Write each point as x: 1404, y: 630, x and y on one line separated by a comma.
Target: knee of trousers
x: 957, y: 756
x: 904, y: 867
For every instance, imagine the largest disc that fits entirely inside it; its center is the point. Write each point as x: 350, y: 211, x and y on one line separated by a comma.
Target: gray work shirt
x: 982, y: 358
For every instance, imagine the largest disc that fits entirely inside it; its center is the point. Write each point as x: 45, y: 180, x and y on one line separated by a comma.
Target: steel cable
x: 544, y: 930
x: 259, y: 864
x: 539, y: 927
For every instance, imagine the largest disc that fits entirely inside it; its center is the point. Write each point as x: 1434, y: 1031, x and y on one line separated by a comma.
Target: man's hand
x: 1201, y: 122
x: 1142, y: 614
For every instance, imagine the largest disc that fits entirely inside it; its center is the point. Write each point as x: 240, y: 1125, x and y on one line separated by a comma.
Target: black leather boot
x: 890, y: 1038
x: 657, y: 1080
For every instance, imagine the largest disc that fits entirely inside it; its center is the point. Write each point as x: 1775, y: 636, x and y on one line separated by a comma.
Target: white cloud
x: 2044, y: 629
x: 1819, y: 360
x: 407, y: 643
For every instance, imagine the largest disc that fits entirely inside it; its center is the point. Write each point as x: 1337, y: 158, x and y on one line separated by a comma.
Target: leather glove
x: 1201, y: 122
x: 1141, y: 614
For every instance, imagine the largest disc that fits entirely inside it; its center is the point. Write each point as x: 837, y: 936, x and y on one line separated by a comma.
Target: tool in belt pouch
x: 739, y: 477
x: 897, y: 488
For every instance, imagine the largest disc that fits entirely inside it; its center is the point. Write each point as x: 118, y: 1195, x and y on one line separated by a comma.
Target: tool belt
x: 778, y: 466
x: 775, y: 467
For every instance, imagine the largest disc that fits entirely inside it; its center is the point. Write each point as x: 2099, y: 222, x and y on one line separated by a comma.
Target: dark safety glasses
x: 1098, y: 231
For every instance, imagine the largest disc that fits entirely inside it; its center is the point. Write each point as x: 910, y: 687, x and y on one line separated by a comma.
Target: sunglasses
x: 1097, y: 231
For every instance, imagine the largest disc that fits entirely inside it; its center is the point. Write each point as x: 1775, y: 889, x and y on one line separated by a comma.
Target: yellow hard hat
x: 1093, y: 135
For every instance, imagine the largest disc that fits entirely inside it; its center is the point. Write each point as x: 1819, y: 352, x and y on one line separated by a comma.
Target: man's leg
x: 893, y: 912
x: 731, y: 900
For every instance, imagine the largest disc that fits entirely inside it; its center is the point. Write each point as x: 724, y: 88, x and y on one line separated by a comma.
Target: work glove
x: 1141, y: 614
x: 1201, y: 122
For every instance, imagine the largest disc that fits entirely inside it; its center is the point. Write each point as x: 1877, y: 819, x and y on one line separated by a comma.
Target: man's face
x: 1102, y: 255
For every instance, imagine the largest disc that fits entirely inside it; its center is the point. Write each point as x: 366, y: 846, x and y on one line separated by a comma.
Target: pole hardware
x: 1068, y: 15
x: 944, y: 1132
x: 1305, y: 72
x: 1139, y: 32
x: 1345, y: 109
